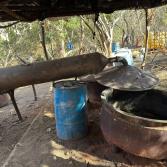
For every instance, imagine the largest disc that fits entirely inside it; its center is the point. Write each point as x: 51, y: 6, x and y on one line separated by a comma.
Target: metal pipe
x: 23, y: 75
x: 11, y: 94
x: 118, y: 59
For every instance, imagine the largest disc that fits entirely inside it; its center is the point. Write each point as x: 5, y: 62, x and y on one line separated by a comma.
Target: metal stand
x: 11, y: 94
x: 34, y: 91
x: 33, y: 86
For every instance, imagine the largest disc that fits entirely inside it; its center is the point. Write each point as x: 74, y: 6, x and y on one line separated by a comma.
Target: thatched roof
x: 30, y: 10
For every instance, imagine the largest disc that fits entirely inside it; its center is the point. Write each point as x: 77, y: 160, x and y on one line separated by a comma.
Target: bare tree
x: 104, y: 27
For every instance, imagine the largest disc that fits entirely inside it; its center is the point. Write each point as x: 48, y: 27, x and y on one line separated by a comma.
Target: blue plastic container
x: 70, y: 106
x: 115, y: 46
x: 127, y: 54
x: 129, y: 59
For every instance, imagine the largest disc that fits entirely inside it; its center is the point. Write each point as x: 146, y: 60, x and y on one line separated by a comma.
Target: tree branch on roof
x: 9, y: 25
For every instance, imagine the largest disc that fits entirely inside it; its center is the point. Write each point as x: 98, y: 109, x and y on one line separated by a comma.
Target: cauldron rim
x: 134, y: 119
x: 135, y: 138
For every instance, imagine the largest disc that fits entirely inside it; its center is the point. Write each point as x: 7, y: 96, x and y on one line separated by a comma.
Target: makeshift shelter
x: 30, y: 10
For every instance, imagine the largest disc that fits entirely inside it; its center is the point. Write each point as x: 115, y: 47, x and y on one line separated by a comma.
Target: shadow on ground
x: 41, y: 147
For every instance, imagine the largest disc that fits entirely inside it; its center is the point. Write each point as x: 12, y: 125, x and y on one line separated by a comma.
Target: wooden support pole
x: 147, y: 38
x: 42, y: 39
x: 11, y: 94
x: 33, y: 86
x: 34, y: 91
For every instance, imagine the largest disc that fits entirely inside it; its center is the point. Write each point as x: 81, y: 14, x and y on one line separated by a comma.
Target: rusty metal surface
x: 87, y: 78
x: 94, y: 91
x: 17, y: 76
x: 149, y: 108
x: 126, y: 78
x: 133, y: 136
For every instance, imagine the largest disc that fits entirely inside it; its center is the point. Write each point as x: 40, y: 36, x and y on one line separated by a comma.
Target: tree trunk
x: 110, y: 42
x: 42, y: 39
x: 147, y: 37
x: 81, y: 47
x: 62, y: 49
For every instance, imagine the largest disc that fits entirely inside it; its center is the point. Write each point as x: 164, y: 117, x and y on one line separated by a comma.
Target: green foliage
x: 164, y: 18
x: 117, y: 35
x: 23, y: 38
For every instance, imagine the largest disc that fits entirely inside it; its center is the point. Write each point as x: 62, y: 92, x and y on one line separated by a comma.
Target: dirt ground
x: 33, y: 142
x: 157, y: 64
x: 40, y: 147
x: 11, y: 129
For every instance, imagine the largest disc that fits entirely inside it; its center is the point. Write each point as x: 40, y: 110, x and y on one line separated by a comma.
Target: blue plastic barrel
x: 115, y: 46
x: 70, y: 106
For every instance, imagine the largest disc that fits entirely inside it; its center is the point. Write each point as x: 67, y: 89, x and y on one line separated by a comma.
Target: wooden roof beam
x: 12, y: 13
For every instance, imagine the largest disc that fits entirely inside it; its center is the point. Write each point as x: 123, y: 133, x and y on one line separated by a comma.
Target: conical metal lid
x: 127, y: 78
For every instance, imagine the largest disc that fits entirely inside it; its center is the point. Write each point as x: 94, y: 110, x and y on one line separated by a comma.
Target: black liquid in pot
x: 149, y: 104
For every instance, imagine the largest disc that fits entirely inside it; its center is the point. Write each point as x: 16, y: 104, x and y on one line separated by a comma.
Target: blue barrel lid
x: 68, y: 84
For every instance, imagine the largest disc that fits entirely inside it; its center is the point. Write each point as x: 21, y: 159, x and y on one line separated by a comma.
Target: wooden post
x: 34, y: 91
x: 33, y: 86
x: 147, y: 37
x: 42, y: 39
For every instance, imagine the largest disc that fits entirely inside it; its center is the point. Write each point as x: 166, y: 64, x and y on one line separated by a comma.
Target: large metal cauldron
x: 141, y: 133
